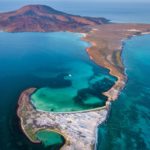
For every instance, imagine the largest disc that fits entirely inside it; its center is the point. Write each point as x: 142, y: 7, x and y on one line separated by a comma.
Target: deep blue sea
x: 128, y: 124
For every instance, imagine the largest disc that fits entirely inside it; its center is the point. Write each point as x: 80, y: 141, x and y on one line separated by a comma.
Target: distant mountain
x: 43, y: 19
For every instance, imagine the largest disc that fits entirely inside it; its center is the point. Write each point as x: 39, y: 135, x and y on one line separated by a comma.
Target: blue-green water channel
x: 59, y: 67
x: 128, y: 125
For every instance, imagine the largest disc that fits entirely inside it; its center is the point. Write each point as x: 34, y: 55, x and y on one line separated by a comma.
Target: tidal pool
x: 49, y: 138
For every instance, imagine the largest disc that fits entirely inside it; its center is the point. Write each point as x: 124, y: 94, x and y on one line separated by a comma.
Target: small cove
x: 50, y: 138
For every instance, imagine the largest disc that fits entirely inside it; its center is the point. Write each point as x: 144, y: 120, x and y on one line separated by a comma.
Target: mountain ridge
x: 42, y: 18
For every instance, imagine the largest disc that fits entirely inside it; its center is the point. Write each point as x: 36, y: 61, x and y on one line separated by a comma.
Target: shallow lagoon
x: 77, y: 88
x: 75, y: 82
x: 50, y: 138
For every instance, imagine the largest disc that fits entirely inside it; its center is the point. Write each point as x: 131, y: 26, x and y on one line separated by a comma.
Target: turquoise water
x: 45, y: 60
x: 76, y: 83
x: 128, y: 125
x: 50, y: 138
x: 78, y: 91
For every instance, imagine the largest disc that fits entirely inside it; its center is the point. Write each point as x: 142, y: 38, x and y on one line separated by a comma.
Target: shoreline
x: 125, y: 75
x: 121, y: 77
x: 110, y: 98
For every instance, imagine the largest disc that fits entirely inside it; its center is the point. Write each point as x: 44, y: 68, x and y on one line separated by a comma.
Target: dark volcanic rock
x: 42, y: 18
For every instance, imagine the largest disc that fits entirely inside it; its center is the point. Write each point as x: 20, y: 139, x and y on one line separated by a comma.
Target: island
x: 78, y: 128
x: 107, y: 40
x: 40, y: 18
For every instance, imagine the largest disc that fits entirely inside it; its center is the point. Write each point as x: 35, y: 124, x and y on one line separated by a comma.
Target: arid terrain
x: 41, y: 18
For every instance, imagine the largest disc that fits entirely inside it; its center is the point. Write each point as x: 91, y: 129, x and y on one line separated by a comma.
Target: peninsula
x: 78, y: 128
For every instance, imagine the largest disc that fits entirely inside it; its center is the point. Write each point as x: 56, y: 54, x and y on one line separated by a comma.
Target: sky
x: 66, y: 5
x: 120, y: 1
x: 105, y: 0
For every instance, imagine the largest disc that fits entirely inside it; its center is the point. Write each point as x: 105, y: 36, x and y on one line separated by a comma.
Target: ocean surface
x: 128, y: 124
x: 65, y: 78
